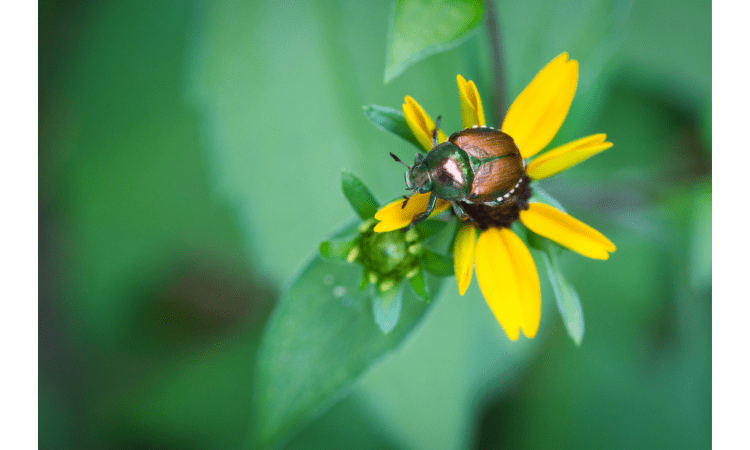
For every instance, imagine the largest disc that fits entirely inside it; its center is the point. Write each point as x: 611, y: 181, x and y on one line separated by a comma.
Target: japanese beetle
x: 478, y: 165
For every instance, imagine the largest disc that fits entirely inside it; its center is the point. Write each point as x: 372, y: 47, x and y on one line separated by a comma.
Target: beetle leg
x: 459, y: 211
x: 434, y: 132
x: 430, y: 206
x: 407, y: 197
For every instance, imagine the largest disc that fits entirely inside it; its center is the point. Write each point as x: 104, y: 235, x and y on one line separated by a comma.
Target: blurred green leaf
x: 137, y: 212
x: 389, y: 119
x: 421, y: 28
x: 349, y: 424
x: 196, y: 399
x: 706, y: 119
x: 320, y: 339
x: 673, y: 62
x: 700, y: 248
x: 535, y: 31
x: 359, y: 195
x: 567, y: 298
x: 386, y: 307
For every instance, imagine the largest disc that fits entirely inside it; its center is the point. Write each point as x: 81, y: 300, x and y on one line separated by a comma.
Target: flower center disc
x: 504, y: 214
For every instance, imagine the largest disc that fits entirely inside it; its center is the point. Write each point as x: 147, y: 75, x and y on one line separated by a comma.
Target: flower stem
x: 493, y: 31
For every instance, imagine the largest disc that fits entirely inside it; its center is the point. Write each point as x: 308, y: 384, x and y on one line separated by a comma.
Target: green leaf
x: 389, y: 119
x: 567, y: 298
x: 419, y: 286
x: 359, y: 195
x: 437, y: 264
x: 386, y: 307
x: 419, y: 28
x: 320, y: 339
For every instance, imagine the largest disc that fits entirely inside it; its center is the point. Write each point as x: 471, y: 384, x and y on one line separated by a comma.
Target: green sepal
x: 535, y: 241
x: 363, y: 282
x: 359, y: 196
x: 418, y: 284
x: 568, y: 301
x: 454, y: 236
x: 542, y: 196
x: 391, y: 120
x: 437, y: 264
x: 337, y: 250
x: 429, y: 228
x: 386, y: 307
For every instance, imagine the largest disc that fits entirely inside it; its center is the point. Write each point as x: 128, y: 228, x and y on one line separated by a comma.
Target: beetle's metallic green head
x: 418, y: 176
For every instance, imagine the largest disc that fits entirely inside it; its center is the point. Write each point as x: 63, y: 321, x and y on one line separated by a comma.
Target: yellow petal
x: 392, y: 216
x: 420, y: 123
x: 567, y: 231
x: 509, y: 281
x: 463, y: 256
x: 538, y: 112
x: 472, y: 112
x: 566, y: 156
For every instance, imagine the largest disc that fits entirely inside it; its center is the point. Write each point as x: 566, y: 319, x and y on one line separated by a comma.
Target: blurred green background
x: 190, y: 158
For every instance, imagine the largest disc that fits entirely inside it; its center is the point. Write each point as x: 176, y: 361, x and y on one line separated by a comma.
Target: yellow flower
x: 506, y: 272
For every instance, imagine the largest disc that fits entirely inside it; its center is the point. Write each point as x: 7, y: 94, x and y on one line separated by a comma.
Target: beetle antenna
x: 398, y: 160
x: 435, y: 131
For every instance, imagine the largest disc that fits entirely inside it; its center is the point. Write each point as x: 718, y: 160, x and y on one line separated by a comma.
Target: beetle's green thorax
x: 446, y: 171
x: 450, y: 170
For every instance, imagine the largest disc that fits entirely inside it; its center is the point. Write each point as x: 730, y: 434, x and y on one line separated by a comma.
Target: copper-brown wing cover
x: 494, y: 177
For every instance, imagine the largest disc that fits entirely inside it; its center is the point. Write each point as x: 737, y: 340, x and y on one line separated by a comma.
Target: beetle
x: 478, y: 165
